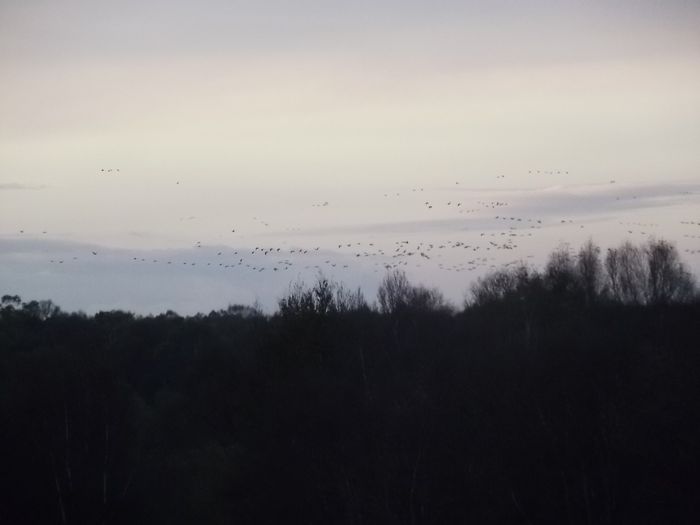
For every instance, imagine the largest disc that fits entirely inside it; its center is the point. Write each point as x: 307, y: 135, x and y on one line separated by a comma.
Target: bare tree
x: 299, y: 300
x: 668, y: 280
x: 500, y: 284
x: 428, y: 299
x: 612, y: 274
x: 650, y: 274
x: 394, y: 292
x: 348, y: 300
x: 589, y: 270
x: 324, y: 295
x: 560, y: 273
x: 626, y: 273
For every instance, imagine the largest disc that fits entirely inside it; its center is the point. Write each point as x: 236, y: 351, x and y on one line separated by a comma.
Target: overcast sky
x: 251, y: 116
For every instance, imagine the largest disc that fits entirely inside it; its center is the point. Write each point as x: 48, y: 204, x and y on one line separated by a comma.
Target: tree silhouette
x: 560, y: 394
x: 396, y: 294
x: 589, y: 270
x: 669, y: 281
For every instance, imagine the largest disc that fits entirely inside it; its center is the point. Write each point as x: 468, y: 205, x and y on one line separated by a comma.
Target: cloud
x: 589, y: 200
x: 592, y: 202
x: 18, y: 186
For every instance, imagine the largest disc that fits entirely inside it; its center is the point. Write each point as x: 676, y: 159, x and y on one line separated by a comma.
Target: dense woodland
x: 568, y: 394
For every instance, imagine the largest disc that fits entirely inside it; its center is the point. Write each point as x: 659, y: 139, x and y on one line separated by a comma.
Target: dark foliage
x: 564, y: 396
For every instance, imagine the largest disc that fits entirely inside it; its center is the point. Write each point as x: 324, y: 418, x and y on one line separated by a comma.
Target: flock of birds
x: 474, y: 250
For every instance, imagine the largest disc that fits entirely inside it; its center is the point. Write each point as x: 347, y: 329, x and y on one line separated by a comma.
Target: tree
x: 668, y: 280
x: 41, y: 309
x: 394, y: 291
x: 589, y: 270
x: 10, y: 301
x: 648, y: 274
x: 349, y: 301
x: 324, y: 298
x: 501, y: 284
x: 397, y: 294
x: 560, y: 276
x: 298, y: 301
x: 626, y: 273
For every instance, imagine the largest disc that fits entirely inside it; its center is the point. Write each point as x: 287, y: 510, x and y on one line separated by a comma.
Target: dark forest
x: 567, y: 394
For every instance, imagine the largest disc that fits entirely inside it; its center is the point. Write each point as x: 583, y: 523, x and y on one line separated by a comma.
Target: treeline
x: 567, y: 394
x: 649, y: 274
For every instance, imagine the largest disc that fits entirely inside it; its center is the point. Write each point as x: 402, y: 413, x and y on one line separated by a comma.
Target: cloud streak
x: 549, y: 205
x: 10, y: 186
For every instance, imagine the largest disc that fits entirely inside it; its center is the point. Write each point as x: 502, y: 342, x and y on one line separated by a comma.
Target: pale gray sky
x: 249, y: 116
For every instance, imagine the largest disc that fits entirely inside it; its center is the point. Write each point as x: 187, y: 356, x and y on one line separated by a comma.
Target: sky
x: 160, y: 134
